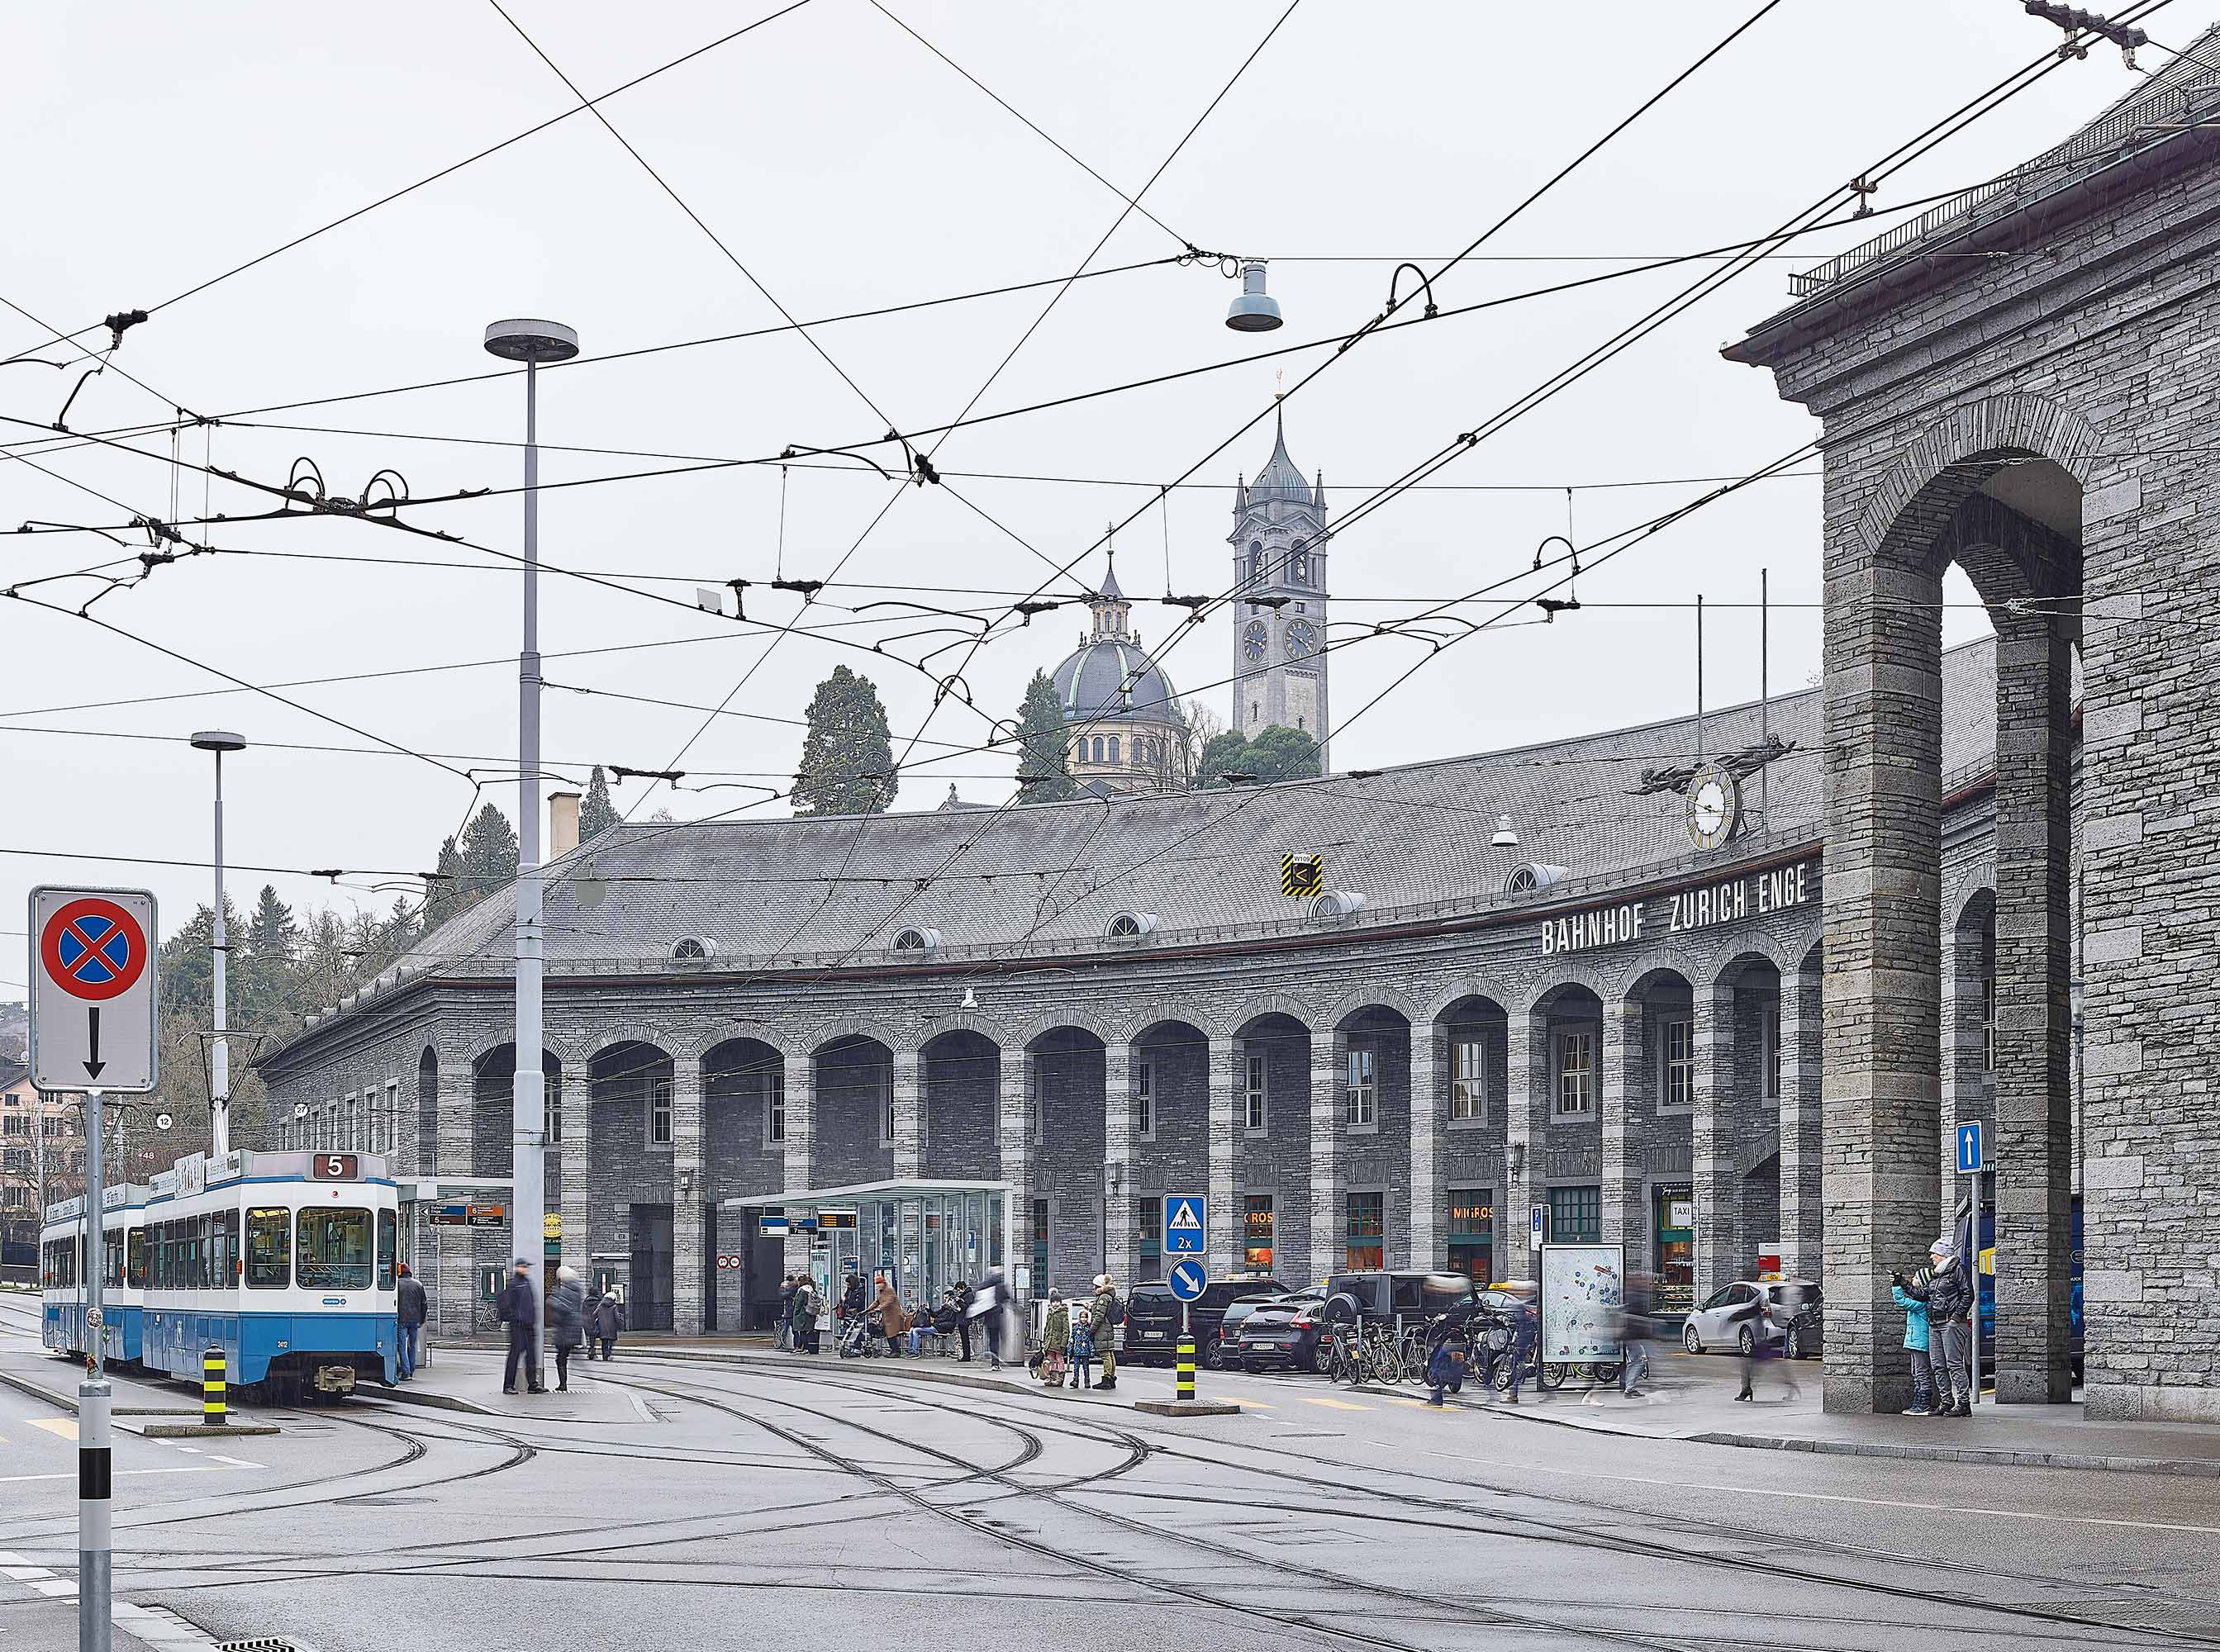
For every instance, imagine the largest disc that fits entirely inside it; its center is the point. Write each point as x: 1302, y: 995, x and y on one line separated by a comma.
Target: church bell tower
x: 1279, y: 606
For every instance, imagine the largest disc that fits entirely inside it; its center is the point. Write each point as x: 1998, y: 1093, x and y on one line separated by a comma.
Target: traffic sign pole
x: 94, y: 1580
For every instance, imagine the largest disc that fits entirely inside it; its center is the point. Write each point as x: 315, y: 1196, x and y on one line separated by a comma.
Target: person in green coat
x: 1056, y: 1337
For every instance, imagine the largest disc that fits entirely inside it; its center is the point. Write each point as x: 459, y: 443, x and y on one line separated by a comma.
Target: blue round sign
x: 1187, y: 1280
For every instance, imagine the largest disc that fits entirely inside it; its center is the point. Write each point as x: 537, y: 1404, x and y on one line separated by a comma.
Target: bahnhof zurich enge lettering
x: 1723, y: 999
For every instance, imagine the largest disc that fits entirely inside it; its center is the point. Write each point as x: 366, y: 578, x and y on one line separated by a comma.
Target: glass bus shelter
x: 920, y: 1235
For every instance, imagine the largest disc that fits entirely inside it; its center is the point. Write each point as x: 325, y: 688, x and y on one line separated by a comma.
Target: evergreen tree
x: 847, y: 759
x: 1279, y: 753
x: 1224, y: 753
x: 1044, y: 746
x: 488, y: 854
x: 596, y: 814
x: 263, y: 966
x: 443, y: 895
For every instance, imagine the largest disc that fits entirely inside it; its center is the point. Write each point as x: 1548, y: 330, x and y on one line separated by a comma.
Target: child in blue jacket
x: 1915, y: 1338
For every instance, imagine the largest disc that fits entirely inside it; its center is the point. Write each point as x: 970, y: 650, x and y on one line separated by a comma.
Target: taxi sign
x: 95, y: 992
x: 1187, y: 1281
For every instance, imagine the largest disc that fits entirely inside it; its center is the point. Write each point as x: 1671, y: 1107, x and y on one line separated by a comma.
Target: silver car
x: 1722, y: 1319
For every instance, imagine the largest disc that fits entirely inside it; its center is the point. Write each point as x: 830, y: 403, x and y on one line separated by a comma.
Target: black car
x: 1152, y: 1316
x: 1287, y: 1335
x: 1385, y: 1296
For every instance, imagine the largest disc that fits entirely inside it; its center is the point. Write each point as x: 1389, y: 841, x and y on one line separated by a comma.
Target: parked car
x: 1716, y: 1321
x: 1288, y: 1334
x: 1383, y: 1296
x: 1237, y: 1315
x: 1152, y: 1316
x: 1805, y: 1335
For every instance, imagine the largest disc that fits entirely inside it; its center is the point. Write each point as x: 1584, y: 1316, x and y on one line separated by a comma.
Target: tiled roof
x: 1052, y: 874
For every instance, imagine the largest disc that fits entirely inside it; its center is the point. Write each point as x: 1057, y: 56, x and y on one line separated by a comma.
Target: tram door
x: 649, y: 1308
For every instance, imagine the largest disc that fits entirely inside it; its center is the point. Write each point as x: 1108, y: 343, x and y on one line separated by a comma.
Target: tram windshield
x: 335, y: 1250
x: 268, y: 1241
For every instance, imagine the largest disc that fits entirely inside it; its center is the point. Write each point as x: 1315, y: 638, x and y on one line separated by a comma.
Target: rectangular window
x: 1988, y: 1023
x: 1257, y: 1233
x: 1360, y: 1106
x: 135, y: 1258
x: 1770, y: 1051
x: 775, y: 1107
x: 1038, y: 1247
x: 1153, y: 1238
x: 388, y: 1237
x: 1676, y: 1085
x: 1254, y: 1114
x: 551, y: 1111
x: 1468, y: 1081
x: 269, y: 1232
x: 1575, y: 1215
x: 353, y: 1124
x: 334, y: 1248
x: 1365, y: 1230
x: 659, y: 1113
x: 392, y: 1115
x: 1576, y: 1075
x: 227, y: 1250
x: 1472, y: 1232
x: 887, y: 1109
x: 1145, y: 1100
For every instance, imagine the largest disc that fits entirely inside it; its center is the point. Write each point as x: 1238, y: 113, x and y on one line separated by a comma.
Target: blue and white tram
x: 285, y: 1260
x: 62, y: 1276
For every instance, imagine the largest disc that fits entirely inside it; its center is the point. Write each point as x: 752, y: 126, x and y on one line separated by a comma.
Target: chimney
x: 562, y: 824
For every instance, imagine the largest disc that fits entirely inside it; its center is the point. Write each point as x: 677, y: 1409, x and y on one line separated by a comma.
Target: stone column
x: 1801, y: 1233
x: 2034, y: 1151
x: 909, y: 1115
x: 801, y: 1077
x: 1120, y: 1234
x: 1225, y: 1080
x: 687, y: 1264
x: 1014, y: 1108
x: 1625, y: 1205
x: 1724, y: 1252
x: 1429, y: 1067
x: 1329, y: 1068
x: 578, y: 1151
x: 1883, y: 737
x: 1525, y: 1138
x: 455, y: 1296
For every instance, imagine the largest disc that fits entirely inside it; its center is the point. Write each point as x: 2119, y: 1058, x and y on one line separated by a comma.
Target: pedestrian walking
x: 787, y: 1287
x: 1916, y: 1340
x: 962, y: 1292
x: 990, y: 1310
x: 1082, y: 1348
x: 1942, y: 1286
x: 1108, y: 1321
x: 1449, y: 1348
x: 518, y: 1308
x: 887, y: 1309
x: 608, y: 1320
x: 566, y: 1323
x: 410, y: 1309
x: 1056, y: 1337
x: 1525, y: 1332
x: 1634, y: 1338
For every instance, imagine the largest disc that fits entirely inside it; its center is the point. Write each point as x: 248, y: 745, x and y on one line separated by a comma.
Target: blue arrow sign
x: 1969, y: 1150
x: 1186, y: 1225
x: 1187, y: 1281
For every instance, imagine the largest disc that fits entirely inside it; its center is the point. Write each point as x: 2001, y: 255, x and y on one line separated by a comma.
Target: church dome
x: 1090, y: 684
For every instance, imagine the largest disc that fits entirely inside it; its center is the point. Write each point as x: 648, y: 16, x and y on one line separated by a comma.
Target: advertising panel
x: 1583, y: 1297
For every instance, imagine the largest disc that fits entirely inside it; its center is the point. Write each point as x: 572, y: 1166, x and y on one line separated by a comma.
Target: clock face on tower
x: 1302, y: 638
x: 1714, y: 806
x: 1254, y: 639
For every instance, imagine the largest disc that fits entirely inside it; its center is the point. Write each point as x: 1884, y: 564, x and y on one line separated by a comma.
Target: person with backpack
x: 803, y: 1316
x: 1942, y: 1286
x: 787, y: 1287
x: 409, y: 1310
x: 1108, y: 1321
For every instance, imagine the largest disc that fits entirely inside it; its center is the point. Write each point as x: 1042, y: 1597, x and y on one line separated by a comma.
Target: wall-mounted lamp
x: 1506, y: 835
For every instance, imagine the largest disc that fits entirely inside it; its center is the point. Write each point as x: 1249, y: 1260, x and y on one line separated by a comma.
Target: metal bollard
x: 1183, y: 1383
x: 212, y: 1388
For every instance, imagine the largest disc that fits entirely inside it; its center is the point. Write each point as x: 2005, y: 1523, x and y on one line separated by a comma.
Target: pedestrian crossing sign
x: 1186, y: 1225
x: 1302, y: 877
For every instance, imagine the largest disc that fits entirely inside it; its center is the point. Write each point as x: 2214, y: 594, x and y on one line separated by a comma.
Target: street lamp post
x: 218, y: 741
x: 531, y: 342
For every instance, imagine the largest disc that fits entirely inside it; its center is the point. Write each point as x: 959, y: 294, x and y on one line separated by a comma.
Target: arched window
x: 1255, y: 558
x: 1302, y: 564
x: 1098, y: 748
x: 1114, y: 748
x: 1252, y: 711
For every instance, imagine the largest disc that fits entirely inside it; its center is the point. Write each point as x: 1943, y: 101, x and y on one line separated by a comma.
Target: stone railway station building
x: 1638, y: 1013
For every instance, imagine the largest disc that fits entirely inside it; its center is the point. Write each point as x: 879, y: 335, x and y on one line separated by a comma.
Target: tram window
x: 334, y: 1246
x: 388, y: 1237
x: 269, y: 1236
x: 227, y: 1250
x: 112, y: 1259
x: 135, y: 1249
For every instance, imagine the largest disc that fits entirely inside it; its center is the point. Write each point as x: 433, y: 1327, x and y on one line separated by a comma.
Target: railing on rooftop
x: 2164, y: 115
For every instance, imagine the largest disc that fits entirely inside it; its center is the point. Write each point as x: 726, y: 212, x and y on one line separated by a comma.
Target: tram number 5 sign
x: 95, y: 989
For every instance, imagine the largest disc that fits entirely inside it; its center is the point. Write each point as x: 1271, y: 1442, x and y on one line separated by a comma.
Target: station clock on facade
x: 1714, y: 806
x: 1303, y: 639
x: 1254, y: 639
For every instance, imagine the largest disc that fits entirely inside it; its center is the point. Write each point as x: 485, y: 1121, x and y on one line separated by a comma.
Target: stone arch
x: 1287, y: 1004
x: 852, y: 1100
x: 2014, y: 423
x: 428, y: 1111
x: 841, y: 1028
x: 1566, y: 982
x: 1356, y: 1002
x: 707, y: 1035
x: 1025, y: 1034
x: 1450, y: 997
x: 960, y: 1091
x: 743, y: 1108
x: 492, y: 1106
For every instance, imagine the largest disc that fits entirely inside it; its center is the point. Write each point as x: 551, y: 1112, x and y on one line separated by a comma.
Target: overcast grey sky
x: 847, y: 167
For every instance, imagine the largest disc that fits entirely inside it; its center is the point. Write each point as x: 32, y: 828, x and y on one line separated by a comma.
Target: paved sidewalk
x: 50, y: 1625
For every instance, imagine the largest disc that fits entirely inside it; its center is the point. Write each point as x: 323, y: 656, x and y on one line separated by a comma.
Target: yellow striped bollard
x: 212, y: 1386
x: 1183, y: 1384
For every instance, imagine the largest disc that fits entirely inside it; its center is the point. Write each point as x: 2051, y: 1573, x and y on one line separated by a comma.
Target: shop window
x: 1672, y: 1221
x: 1576, y: 1075
x: 1575, y: 1215
x: 1361, y: 1108
x: 1676, y: 1084
x: 1257, y: 1224
x: 1472, y: 1232
x: 1038, y: 1247
x: 1468, y: 1081
x: 1364, y: 1231
x: 1254, y: 1114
